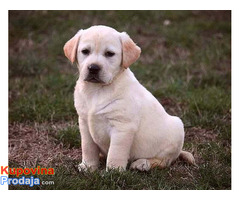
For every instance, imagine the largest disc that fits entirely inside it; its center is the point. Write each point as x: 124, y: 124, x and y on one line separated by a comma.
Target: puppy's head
x: 101, y: 53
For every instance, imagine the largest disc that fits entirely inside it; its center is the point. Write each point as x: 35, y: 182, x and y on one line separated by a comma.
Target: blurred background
x: 185, y: 63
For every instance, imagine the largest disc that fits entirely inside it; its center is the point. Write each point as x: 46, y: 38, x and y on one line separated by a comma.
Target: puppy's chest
x: 100, y: 130
x: 100, y: 117
x: 98, y: 114
x: 100, y: 127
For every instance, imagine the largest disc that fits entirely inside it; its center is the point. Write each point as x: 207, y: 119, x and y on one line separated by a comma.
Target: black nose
x: 93, y: 69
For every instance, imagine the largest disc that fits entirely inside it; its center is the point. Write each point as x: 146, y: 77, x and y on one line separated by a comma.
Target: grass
x: 70, y: 136
x: 186, y: 65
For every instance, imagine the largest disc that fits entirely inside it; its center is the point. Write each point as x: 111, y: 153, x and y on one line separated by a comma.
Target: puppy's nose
x: 93, y: 69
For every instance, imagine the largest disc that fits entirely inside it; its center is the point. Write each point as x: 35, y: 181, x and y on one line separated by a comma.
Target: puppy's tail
x: 187, y: 157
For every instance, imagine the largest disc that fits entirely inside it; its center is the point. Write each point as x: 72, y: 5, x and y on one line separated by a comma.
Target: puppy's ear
x: 130, y: 51
x: 70, y: 48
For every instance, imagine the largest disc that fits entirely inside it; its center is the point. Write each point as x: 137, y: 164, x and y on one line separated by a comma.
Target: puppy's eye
x: 109, y: 54
x: 85, y: 51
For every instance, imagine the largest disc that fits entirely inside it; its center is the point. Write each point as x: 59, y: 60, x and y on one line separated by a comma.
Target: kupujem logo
x: 26, y: 171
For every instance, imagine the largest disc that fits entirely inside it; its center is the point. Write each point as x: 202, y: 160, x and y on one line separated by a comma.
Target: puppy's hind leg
x: 149, y: 163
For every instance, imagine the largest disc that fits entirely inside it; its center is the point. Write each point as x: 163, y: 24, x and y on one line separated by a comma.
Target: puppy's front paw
x: 141, y: 165
x: 115, y: 166
x: 120, y: 169
x: 83, y: 167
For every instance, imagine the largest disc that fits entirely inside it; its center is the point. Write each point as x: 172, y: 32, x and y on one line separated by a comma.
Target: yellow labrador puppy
x: 118, y: 117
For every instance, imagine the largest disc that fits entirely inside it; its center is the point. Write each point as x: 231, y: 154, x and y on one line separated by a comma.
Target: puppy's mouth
x: 93, y: 79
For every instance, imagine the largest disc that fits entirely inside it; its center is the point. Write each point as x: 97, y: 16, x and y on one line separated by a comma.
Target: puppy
x: 118, y: 117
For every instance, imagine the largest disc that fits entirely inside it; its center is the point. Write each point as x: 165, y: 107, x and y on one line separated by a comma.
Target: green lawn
x: 186, y: 65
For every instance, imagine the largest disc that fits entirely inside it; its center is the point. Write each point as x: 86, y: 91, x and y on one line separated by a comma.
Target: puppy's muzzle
x: 93, y: 74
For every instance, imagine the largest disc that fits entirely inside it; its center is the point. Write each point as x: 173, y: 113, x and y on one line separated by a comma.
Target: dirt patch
x: 171, y: 106
x: 30, y: 146
x: 198, y: 134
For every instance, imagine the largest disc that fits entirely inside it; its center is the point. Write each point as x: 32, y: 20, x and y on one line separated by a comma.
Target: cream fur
x: 119, y: 117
